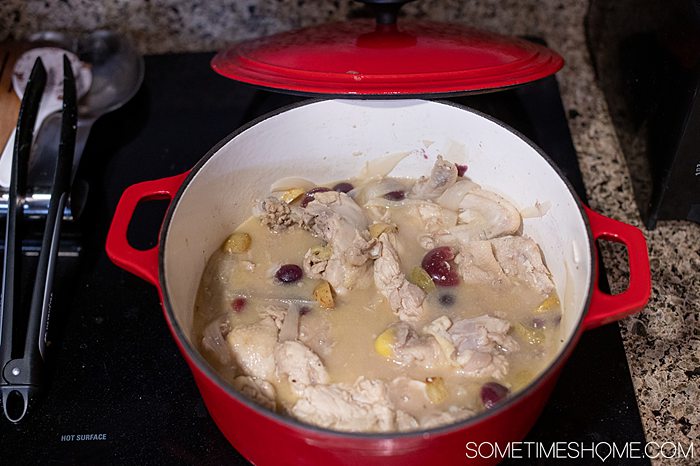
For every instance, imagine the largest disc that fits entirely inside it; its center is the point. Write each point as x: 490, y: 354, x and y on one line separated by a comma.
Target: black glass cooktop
x: 118, y: 390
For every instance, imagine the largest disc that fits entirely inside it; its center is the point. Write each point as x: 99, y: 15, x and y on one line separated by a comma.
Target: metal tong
x: 22, y: 361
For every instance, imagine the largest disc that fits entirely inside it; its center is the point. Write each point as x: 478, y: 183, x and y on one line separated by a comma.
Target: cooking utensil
x: 22, y: 371
x: 17, y: 382
x: 52, y: 100
x: 117, y: 74
x: 314, y: 139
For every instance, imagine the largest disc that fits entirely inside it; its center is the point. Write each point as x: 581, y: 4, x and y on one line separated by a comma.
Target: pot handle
x: 142, y: 263
x: 604, y: 307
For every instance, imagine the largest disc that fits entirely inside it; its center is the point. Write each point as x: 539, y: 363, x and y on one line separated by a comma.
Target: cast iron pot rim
x: 197, y: 359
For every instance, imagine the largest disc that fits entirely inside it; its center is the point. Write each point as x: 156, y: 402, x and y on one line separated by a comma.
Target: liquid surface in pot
x: 379, y: 304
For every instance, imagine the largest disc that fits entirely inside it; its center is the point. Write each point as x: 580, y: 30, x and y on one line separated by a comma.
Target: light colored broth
x: 344, y: 337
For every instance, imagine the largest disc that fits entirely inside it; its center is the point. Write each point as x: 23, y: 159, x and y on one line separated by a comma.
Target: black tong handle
x: 21, y: 373
x: 41, y: 295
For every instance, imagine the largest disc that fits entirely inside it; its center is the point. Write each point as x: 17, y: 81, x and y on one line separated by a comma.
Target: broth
x: 382, y: 368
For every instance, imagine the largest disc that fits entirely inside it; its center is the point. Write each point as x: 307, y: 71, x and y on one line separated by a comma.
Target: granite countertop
x: 662, y: 343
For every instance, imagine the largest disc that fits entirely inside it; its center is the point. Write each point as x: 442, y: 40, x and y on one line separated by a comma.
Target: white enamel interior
x: 332, y: 140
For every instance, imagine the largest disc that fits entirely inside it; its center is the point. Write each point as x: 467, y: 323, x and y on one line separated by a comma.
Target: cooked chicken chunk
x: 478, y: 345
x: 338, y: 220
x: 405, y: 422
x: 299, y: 365
x: 407, y: 347
x: 485, y: 215
x: 450, y: 416
x: 214, y: 339
x: 520, y: 257
x: 433, y: 217
x: 277, y: 312
x: 253, y: 345
x: 405, y: 298
x: 477, y: 264
x: 496, y: 261
x: 482, y: 215
x: 260, y: 391
x: 363, y: 406
x: 442, y: 176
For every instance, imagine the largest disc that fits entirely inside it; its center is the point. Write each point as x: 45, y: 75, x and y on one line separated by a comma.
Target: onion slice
x: 382, y: 166
x: 540, y: 209
x: 453, y: 195
x: 290, y: 325
x: 291, y: 182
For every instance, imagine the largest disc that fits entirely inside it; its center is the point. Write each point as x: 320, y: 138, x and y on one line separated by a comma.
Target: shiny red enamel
x: 363, y: 58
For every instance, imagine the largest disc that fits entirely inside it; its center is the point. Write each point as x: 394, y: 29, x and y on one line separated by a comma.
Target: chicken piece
x: 315, y: 332
x: 405, y: 298
x: 480, y: 344
x: 438, y: 330
x: 485, y: 215
x: 407, y: 347
x: 214, y: 339
x: 477, y: 264
x: 299, y: 365
x: 482, y: 215
x: 277, y: 312
x: 433, y: 218
x: 253, y: 346
x: 338, y: 220
x: 521, y: 258
x: 497, y: 261
x: 260, y: 391
x: 450, y: 416
x: 277, y: 215
x: 443, y: 175
x: 476, y: 345
x: 362, y: 407
x: 424, y: 217
x: 405, y: 422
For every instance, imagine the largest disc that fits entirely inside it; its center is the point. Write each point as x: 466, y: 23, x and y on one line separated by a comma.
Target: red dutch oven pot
x: 314, y: 140
x: 331, y: 140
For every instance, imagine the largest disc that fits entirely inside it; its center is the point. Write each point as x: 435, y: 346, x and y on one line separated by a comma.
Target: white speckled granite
x: 662, y: 343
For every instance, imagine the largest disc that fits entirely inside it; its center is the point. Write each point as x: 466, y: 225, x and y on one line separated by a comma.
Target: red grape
x: 238, y: 304
x: 440, y: 266
x: 289, y: 273
x: 343, y: 187
x: 492, y: 393
x: 309, y: 195
x: 395, y: 196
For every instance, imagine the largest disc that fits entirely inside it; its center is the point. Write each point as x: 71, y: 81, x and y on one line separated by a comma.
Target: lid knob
x: 385, y: 11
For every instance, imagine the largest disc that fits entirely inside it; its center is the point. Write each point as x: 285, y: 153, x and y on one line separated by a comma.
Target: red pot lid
x: 363, y: 58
